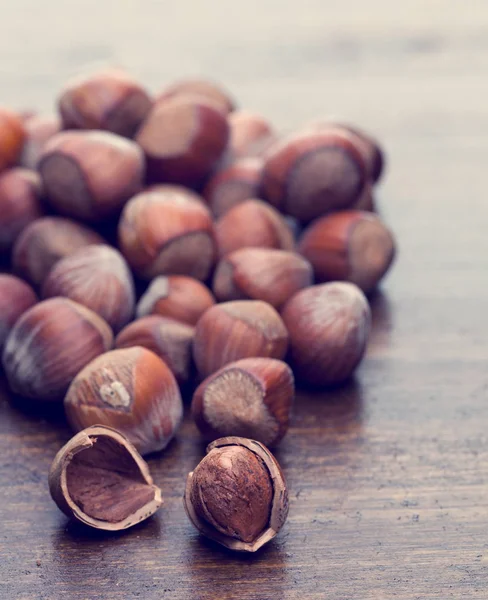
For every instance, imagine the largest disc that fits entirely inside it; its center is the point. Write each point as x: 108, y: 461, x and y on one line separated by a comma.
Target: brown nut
x: 233, y: 184
x: 132, y: 390
x: 171, y: 340
x: 329, y: 325
x: 233, y: 330
x: 261, y: 274
x: 50, y: 344
x: 366, y: 200
x: 246, y: 131
x: 250, y: 398
x: 12, y: 135
x: 44, y: 242
x: 20, y: 203
x: 312, y: 173
x: 252, y: 223
x: 177, y: 297
x: 351, y: 246
x: 100, y: 479
x: 166, y: 231
x: 97, y: 277
x: 111, y: 100
x: 199, y: 87
x: 90, y: 175
x: 237, y: 494
x: 38, y: 130
x: 16, y: 297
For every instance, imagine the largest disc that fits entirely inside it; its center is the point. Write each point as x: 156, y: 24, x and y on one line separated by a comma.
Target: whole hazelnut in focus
x: 199, y: 87
x: 177, y: 297
x: 166, y: 231
x: 328, y: 325
x: 110, y: 100
x: 233, y: 330
x: 44, y: 242
x: 261, y: 274
x: 12, y: 135
x: 246, y: 131
x: 16, y: 297
x: 90, y: 175
x: 38, y: 130
x: 351, y: 246
x: 237, y: 494
x: 50, y: 344
x: 250, y: 398
x: 97, y: 277
x: 131, y: 390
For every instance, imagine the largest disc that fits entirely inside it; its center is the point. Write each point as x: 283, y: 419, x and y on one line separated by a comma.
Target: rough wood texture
x: 388, y: 476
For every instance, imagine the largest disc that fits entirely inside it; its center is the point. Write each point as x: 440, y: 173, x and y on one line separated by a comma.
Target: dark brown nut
x: 261, y: 274
x: 16, y: 297
x: 12, y: 135
x: 237, y: 494
x: 44, y: 242
x: 350, y: 246
x: 171, y: 340
x: 50, y: 344
x: 312, y: 173
x: 233, y: 330
x: 131, y: 390
x: 97, y: 277
x: 252, y: 224
x: 110, y: 100
x: 233, y: 185
x: 251, y: 398
x: 329, y: 325
x: 90, y: 175
x: 167, y: 231
x: 38, y: 130
x: 366, y: 200
x: 20, y: 203
x: 199, y: 87
x: 100, y: 479
x: 246, y: 131
x: 177, y: 297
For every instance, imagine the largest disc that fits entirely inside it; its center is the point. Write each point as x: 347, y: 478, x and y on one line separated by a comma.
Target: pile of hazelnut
x: 169, y: 243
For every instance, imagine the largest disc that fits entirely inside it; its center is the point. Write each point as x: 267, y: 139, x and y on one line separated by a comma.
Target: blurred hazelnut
x: 131, y: 390
x: 12, y: 136
x: 49, y: 345
x: 250, y: 397
x: 246, y: 131
x: 199, y: 87
x: 90, y: 175
x: 366, y: 200
x: 178, y: 297
x: 233, y: 330
x: 261, y: 274
x: 16, y: 297
x: 44, y: 242
x: 329, y: 326
x: 167, y: 231
x: 351, y: 245
x: 38, y: 130
x: 372, y: 152
x: 171, y: 340
x: 110, y: 100
x: 237, y: 494
x: 97, y: 277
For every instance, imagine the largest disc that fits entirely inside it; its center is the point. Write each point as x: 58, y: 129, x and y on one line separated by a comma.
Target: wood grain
x: 388, y: 476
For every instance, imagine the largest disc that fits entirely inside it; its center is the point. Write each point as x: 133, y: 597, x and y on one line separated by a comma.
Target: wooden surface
x: 388, y: 476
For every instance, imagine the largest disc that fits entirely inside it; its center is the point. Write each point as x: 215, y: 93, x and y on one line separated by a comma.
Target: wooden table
x: 389, y: 475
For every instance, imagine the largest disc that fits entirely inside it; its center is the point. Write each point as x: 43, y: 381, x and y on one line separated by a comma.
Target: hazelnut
x: 97, y: 277
x: 100, y: 479
x: 165, y: 230
x: 169, y: 339
x: 312, y: 173
x: 247, y: 130
x: 200, y: 87
x: 329, y: 326
x: 12, y: 136
x: 90, y: 175
x: 261, y: 274
x: 233, y: 184
x: 250, y: 397
x: 132, y: 390
x: 366, y: 200
x: 44, y: 242
x: 183, y: 140
x: 15, y: 298
x: 237, y: 494
x: 111, y: 100
x: 49, y: 345
x: 351, y: 245
x: 38, y: 130
x: 252, y: 223
x: 178, y: 297
x: 20, y: 203
x: 233, y: 330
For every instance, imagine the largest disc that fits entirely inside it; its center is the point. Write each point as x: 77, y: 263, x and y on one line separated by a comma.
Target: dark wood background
x: 388, y: 476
